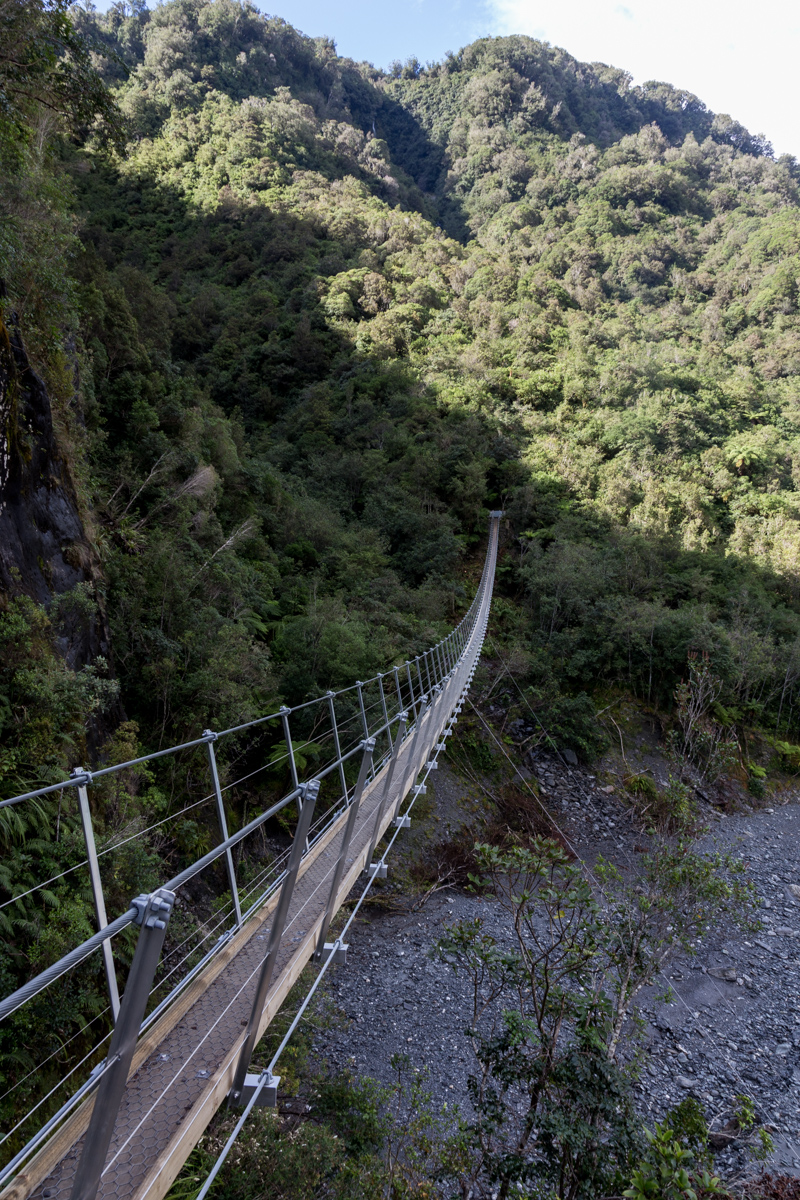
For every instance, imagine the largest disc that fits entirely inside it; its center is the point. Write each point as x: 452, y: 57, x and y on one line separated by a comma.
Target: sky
x: 739, y: 56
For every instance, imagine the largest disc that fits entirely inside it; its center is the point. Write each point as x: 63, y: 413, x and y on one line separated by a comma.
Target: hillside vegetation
x: 302, y: 323
x: 316, y: 319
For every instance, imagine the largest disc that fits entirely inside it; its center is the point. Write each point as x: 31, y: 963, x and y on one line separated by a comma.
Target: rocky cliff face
x: 43, y: 547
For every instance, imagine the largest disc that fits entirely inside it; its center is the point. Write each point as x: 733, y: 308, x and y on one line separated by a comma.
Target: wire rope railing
x: 387, y: 726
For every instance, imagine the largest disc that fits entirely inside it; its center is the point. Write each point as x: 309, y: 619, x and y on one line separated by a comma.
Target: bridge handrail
x: 441, y: 663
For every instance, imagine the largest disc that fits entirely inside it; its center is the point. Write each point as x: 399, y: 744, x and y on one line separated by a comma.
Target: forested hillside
x: 303, y: 322
x: 278, y: 329
x: 307, y: 321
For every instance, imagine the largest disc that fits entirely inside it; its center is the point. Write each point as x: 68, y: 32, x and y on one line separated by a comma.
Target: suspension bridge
x: 183, y: 1032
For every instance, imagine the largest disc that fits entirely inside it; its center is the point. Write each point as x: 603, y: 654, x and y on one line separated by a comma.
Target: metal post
x: 411, y: 774
x: 285, y: 713
x: 428, y: 669
x: 223, y: 825
x: 310, y: 791
x: 154, y: 913
x: 398, y: 741
x: 360, y: 686
x: 419, y: 676
x: 383, y: 706
x: 411, y: 687
x: 367, y: 747
x: 334, y: 727
x: 400, y: 705
x: 97, y: 890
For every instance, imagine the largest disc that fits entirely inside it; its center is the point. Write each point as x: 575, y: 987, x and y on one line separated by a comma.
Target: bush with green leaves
x: 667, y: 1173
x: 551, y: 1089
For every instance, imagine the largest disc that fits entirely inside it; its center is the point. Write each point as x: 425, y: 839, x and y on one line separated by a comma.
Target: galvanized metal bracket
x: 337, y: 949
x: 267, y: 1097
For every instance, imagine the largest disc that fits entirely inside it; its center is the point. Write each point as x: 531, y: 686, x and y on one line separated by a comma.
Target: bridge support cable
x: 215, y: 1015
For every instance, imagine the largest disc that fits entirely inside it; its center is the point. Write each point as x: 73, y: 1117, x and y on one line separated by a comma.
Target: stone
x: 685, y: 1081
x: 794, y: 888
x: 570, y: 757
x: 728, y: 974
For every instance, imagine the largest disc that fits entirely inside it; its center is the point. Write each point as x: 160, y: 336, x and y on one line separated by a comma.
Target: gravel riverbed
x: 732, y: 1025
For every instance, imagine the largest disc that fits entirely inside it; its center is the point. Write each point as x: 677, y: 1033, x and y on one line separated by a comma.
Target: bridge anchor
x: 338, y: 949
x: 267, y: 1097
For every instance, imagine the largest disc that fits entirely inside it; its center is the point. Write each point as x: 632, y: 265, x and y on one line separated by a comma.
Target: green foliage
x: 641, y: 787
x: 666, y: 1174
x: 359, y: 1138
x: 46, y: 69
x: 674, y: 810
x: 478, y: 752
x: 302, y: 395
x: 687, y: 1121
x: 708, y: 745
x: 551, y: 1101
x: 571, y: 723
x: 49, y: 89
x: 760, y: 1144
x: 44, y: 706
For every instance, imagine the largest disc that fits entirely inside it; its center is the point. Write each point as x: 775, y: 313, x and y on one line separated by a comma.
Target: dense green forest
x: 302, y: 323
